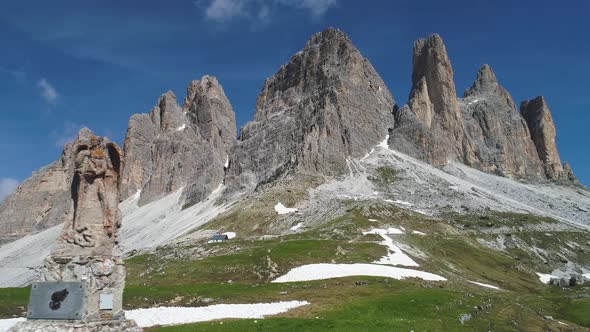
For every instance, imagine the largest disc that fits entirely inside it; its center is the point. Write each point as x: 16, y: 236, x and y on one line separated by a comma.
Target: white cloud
x: 225, y: 10
x: 260, y: 10
x: 47, y: 90
x: 7, y: 186
x: 316, y: 7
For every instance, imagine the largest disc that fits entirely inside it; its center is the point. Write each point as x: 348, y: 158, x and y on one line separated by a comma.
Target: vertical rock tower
x: 83, y: 278
x: 540, y: 123
x: 430, y: 126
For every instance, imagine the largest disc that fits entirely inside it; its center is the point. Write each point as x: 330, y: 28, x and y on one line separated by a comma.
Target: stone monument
x: 81, y: 284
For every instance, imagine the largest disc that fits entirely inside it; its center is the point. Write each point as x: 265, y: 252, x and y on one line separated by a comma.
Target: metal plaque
x: 105, y: 301
x: 56, y: 300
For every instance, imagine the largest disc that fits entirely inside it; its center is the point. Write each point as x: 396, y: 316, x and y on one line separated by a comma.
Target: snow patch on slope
x: 281, y: 209
x: 183, y: 315
x: 327, y: 271
x: 296, y: 227
x: 5, y: 324
x: 395, y: 255
x: 483, y: 285
x: 380, y: 231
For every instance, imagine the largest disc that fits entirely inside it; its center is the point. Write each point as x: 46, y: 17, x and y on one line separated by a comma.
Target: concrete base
x: 72, y: 326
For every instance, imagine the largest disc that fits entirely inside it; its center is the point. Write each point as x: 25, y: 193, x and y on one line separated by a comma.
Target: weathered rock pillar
x: 82, y: 281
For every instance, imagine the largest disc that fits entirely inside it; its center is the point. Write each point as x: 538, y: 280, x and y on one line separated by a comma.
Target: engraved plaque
x: 56, y: 300
x: 105, y: 301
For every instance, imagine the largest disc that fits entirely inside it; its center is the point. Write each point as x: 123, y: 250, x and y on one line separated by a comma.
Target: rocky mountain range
x: 176, y: 147
x: 321, y: 111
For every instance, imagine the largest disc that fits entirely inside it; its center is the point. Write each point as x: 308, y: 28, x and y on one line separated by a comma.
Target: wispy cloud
x: 7, y: 186
x: 316, y: 7
x: 47, y: 90
x: 223, y: 11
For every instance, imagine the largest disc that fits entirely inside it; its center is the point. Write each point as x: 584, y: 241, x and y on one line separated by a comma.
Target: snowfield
x: 327, y: 271
x: 281, y: 209
x: 545, y: 278
x: 5, y: 324
x: 183, y: 315
x: 395, y: 255
x: 296, y: 227
x: 381, y: 231
x: 484, y: 285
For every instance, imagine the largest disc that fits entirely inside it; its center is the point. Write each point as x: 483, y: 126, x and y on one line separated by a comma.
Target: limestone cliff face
x: 436, y: 130
x: 483, y: 129
x: 40, y: 202
x: 176, y: 147
x: 495, y: 131
x: 325, y: 105
x: 542, y: 130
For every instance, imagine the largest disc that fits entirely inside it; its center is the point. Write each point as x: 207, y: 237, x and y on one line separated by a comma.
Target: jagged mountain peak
x: 433, y: 41
x: 84, y: 134
x: 210, y: 112
x: 326, y: 104
x: 207, y: 85
x: 325, y: 63
x: 174, y: 147
x: 534, y: 107
x: 329, y: 35
x: 166, y: 114
x: 485, y: 82
x: 430, y: 60
x: 486, y: 86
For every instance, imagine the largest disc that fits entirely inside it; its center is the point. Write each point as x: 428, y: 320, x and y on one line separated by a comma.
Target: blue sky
x: 67, y: 64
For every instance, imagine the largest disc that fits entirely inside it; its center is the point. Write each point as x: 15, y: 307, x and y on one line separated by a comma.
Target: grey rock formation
x: 574, y: 279
x: 40, y: 202
x: 483, y: 130
x: 176, y: 147
x: 495, y: 131
x: 542, y: 129
x: 209, y: 110
x: 325, y: 105
x: 436, y: 130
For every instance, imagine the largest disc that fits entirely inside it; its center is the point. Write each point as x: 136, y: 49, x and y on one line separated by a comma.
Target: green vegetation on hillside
x: 240, y: 271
